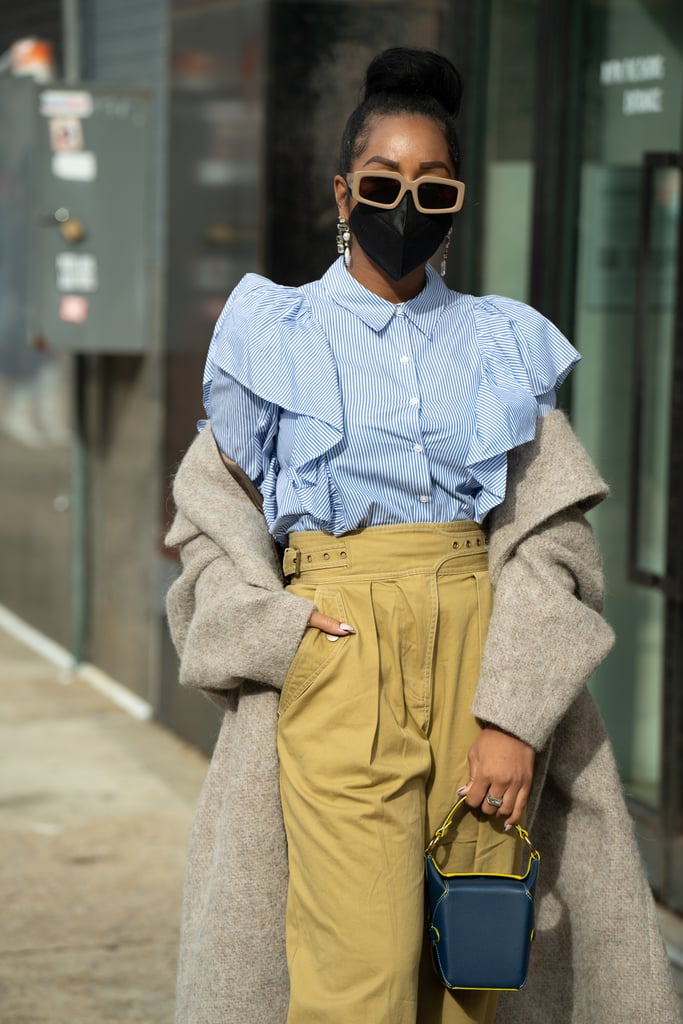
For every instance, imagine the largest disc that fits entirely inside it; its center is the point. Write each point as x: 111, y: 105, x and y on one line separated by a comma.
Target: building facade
x: 572, y: 139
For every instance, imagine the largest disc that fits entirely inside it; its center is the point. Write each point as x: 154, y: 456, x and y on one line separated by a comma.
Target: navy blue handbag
x: 481, y: 926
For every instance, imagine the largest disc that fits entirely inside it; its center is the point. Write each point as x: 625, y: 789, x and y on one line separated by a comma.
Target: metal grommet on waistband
x: 456, y: 544
x: 468, y: 543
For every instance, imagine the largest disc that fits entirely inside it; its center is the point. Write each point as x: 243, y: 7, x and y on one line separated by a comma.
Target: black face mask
x: 398, y: 240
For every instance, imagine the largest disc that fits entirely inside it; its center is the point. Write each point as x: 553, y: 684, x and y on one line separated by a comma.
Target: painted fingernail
x: 506, y: 828
x: 461, y: 790
x: 332, y: 638
x: 346, y: 628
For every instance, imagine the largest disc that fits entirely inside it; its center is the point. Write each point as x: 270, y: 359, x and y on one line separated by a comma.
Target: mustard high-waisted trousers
x: 373, y: 736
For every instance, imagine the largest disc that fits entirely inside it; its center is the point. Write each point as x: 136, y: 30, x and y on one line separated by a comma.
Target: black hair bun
x: 415, y: 72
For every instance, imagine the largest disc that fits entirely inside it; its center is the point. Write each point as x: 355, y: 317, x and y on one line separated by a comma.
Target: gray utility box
x: 74, y: 217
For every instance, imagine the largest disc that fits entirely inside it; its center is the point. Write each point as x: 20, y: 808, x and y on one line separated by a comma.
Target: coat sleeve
x: 227, y: 629
x: 230, y: 617
x: 546, y: 635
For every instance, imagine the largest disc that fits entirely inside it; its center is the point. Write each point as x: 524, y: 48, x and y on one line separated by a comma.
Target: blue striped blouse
x: 348, y: 411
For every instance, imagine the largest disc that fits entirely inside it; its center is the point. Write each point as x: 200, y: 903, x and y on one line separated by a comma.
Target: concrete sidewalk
x: 95, y: 811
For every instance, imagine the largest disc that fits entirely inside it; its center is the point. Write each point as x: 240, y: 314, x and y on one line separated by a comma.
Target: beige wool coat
x: 598, y: 957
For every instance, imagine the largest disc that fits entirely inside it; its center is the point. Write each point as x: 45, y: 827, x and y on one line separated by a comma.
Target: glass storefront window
x: 509, y: 180
x: 632, y: 106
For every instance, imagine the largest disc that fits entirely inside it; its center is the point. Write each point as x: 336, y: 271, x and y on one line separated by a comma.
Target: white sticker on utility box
x: 75, y: 166
x: 76, y: 272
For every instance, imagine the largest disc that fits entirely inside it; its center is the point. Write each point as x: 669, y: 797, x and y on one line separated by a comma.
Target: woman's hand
x: 501, y: 767
x: 333, y: 627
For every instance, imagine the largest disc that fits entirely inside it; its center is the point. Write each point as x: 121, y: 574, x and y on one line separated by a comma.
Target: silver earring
x: 444, y: 254
x: 343, y: 239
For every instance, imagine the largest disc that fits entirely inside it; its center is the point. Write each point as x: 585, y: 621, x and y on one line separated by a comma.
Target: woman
x: 374, y: 412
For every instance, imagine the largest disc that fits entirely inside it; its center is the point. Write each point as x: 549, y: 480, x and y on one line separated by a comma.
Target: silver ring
x: 494, y: 801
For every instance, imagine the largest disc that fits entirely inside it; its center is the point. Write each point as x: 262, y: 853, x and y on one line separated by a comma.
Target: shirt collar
x: 423, y: 310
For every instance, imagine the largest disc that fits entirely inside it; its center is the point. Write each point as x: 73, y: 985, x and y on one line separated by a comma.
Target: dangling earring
x: 444, y: 254
x: 343, y: 239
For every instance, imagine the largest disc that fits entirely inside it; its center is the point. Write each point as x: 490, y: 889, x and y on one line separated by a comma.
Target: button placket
x: 421, y: 482
x: 413, y: 403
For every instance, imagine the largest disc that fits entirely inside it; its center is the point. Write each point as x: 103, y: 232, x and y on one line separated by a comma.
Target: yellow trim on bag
x: 483, y: 874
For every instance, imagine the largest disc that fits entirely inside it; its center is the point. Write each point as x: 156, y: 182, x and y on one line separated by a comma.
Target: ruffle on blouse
x: 524, y: 359
x: 268, y: 341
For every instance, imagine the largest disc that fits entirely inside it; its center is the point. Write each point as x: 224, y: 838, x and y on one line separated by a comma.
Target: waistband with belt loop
x: 332, y: 556
x: 400, y: 547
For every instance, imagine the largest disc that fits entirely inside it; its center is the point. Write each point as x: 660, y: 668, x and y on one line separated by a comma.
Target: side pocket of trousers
x: 315, y: 651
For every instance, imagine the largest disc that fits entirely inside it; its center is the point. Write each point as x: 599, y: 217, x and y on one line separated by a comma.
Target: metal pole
x: 71, y: 41
x: 80, y: 540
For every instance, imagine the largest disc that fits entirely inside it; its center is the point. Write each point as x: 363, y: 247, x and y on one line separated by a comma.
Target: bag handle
x: 448, y: 821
